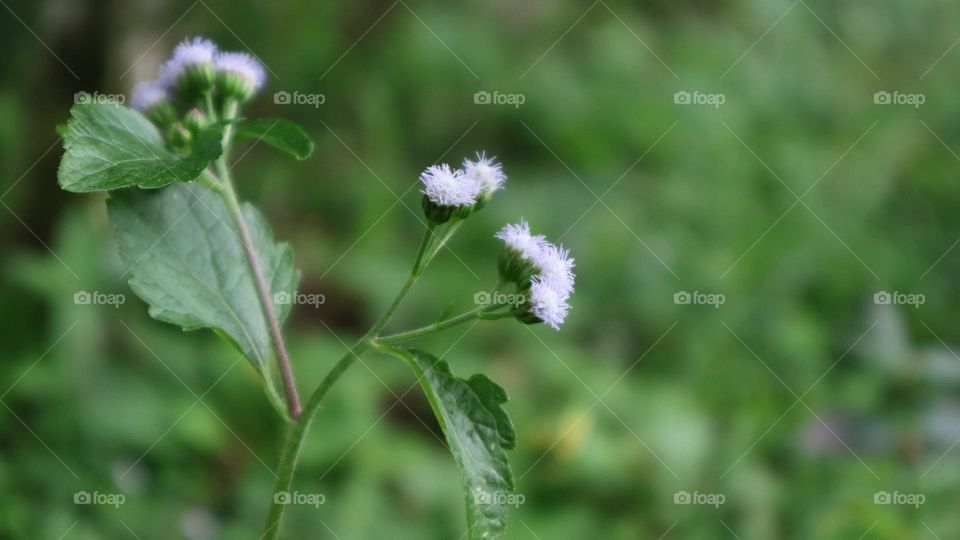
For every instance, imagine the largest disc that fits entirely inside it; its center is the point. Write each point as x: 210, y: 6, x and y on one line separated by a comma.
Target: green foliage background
x: 797, y: 399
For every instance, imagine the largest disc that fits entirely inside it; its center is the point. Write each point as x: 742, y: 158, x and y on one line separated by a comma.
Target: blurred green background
x: 801, y: 400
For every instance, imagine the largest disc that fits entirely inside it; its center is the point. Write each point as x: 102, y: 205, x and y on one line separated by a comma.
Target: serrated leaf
x: 109, y: 146
x: 278, y: 133
x: 188, y: 264
x: 478, y: 433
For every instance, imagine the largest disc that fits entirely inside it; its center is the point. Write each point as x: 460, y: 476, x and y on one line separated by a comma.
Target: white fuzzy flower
x: 146, y: 94
x: 548, y: 300
x: 555, y: 264
x: 188, y: 53
x: 448, y: 187
x: 243, y: 65
x: 486, y: 172
x: 518, y: 238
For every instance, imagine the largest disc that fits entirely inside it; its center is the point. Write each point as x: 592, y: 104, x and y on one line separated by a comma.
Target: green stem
x: 263, y: 289
x: 298, y: 432
x: 211, y: 110
x: 481, y: 313
x: 437, y: 246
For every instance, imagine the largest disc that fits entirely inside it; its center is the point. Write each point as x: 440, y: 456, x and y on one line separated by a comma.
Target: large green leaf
x: 188, y: 264
x: 478, y: 434
x: 280, y: 134
x: 109, y: 146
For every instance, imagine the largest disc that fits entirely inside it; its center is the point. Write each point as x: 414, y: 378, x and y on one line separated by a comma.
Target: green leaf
x: 278, y: 133
x: 109, y: 146
x: 478, y: 434
x: 188, y: 264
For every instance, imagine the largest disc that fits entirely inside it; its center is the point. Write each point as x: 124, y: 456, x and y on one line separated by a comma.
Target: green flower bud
x: 180, y: 137
x: 162, y: 114
x: 195, y: 121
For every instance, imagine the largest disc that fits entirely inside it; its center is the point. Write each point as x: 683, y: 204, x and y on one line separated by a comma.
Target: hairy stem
x: 298, y: 432
x: 263, y: 290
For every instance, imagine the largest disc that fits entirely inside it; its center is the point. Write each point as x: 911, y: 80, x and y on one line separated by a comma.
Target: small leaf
x: 188, y: 264
x: 109, y: 146
x: 278, y: 133
x: 478, y: 433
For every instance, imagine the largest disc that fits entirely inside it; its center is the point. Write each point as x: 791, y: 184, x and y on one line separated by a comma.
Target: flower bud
x: 195, y: 121
x: 239, y: 75
x: 546, y: 303
x: 543, y: 273
x: 191, y: 70
x: 446, y: 193
x: 180, y: 137
x: 488, y: 177
x: 520, y: 250
x: 151, y: 99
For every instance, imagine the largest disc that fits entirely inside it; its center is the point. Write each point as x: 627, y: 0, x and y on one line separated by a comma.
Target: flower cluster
x: 197, y: 75
x: 541, y: 270
x: 449, y: 192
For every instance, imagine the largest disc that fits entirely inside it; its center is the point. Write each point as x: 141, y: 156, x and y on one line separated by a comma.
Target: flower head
x: 241, y: 73
x: 190, y: 53
x: 486, y: 172
x: 447, y: 187
x: 146, y: 94
x: 548, y: 300
x: 554, y: 262
x: 518, y: 238
x: 542, y: 268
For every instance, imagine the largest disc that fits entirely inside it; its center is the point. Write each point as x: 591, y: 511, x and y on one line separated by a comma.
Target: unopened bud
x: 195, y: 121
